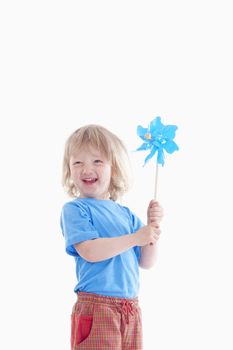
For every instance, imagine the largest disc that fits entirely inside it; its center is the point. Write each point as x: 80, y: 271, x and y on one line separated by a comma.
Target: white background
x: 119, y: 64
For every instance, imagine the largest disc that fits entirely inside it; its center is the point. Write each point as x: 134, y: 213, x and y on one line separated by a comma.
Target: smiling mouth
x: 89, y: 181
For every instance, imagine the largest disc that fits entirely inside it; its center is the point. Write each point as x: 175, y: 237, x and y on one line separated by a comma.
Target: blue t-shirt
x: 89, y: 218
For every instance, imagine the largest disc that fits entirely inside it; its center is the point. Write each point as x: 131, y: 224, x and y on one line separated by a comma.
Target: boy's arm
x: 149, y: 252
x: 148, y: 256
x: 105, y: 248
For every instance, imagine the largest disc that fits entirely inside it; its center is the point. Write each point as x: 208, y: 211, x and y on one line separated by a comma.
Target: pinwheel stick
x: 156, y: 181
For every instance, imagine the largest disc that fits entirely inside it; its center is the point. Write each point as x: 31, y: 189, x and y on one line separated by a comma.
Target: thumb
x: 152, y: 203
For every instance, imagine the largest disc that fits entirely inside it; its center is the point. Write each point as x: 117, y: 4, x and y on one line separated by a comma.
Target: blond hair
x: 112, y: 147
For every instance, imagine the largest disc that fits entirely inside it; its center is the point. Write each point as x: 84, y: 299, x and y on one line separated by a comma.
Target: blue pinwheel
x: 157, y: 138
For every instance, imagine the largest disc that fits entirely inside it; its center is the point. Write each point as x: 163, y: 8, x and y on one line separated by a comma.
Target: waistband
x: 103, y: 299
x: 125, y: 306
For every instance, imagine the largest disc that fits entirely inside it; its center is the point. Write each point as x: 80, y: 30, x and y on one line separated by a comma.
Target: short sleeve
x: 76, y: 226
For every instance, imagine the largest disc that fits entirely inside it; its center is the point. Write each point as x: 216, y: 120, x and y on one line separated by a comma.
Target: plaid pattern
x: 105, y: 323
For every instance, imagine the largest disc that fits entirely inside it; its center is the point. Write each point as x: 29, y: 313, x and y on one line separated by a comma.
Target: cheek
x: 107, y: 174
x: 73, y: 174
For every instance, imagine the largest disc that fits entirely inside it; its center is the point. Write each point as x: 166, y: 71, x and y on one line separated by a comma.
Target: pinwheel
x: 157, y: 138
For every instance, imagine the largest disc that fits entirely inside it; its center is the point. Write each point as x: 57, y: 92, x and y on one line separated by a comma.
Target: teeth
x: 90, y: 179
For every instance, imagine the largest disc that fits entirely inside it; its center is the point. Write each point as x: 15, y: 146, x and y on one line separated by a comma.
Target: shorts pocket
x: 80, y: 328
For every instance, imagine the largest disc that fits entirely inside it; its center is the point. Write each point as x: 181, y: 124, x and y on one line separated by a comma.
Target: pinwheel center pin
x: 148, y: 136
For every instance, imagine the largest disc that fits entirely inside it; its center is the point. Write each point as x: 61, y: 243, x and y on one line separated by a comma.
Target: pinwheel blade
x: 150, y: 155
x: 160, y: 157
x: 169, y: 131
x: 144, y: 147
x: 141, y: 132
x: 170, y: 146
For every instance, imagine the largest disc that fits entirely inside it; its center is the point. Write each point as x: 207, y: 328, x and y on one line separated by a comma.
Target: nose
x: 87, y: 169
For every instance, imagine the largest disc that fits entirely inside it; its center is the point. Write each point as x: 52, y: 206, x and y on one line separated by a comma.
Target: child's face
x: 91, y: 173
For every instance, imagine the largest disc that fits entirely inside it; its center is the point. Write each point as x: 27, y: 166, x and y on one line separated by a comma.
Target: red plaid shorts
x: 105, y: 323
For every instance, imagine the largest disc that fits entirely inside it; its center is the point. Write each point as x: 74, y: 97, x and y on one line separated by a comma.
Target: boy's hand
x: 147, y: 235
x: 154, y: 213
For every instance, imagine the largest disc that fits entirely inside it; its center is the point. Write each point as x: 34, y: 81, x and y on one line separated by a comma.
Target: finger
x: 158, y: 210
x: 155, y: 215
x: 153, y: 212
x: 155, y: 224
x: 155, y: 220
x: 153, y: 203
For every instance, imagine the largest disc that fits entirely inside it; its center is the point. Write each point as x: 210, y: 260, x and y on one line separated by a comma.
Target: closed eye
x: 98, y: 161
x: 77, y: 162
